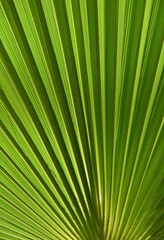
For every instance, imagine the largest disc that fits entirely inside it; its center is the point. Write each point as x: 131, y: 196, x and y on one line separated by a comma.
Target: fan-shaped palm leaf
x: 82, y: 87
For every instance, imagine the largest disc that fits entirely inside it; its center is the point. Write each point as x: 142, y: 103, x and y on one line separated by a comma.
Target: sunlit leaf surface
x: 82, y: 126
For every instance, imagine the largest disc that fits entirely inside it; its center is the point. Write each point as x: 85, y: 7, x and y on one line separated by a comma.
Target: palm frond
x: 82, y: 106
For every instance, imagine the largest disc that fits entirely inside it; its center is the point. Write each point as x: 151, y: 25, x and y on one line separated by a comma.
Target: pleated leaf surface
x: 82, y: 120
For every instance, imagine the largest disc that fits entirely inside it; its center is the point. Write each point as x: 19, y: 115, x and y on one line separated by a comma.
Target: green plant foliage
x: 82, y: 120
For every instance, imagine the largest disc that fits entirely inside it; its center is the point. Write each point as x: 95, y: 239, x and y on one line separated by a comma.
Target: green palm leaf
x: 82, y: 127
